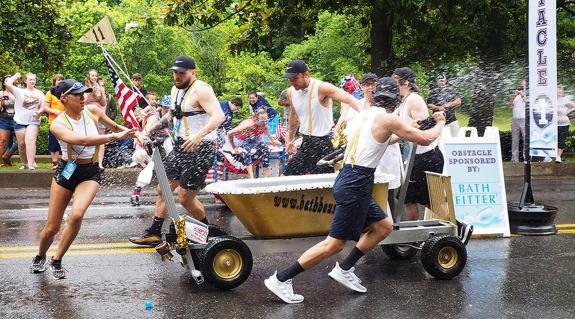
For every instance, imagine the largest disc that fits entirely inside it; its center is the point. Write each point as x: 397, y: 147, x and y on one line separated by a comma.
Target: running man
x: 196, y: 114
x: 311, y: 111
x: 357, y: 216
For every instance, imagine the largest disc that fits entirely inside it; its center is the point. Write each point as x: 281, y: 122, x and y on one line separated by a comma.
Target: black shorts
x: 53, y: 145
x: 431, y: 161
x: 82, y: 173
x: 312, y: 149
x: 562, y: 132
x: 190, y: 168
x: 355, y: 208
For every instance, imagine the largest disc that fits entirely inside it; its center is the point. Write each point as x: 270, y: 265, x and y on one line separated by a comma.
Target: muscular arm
x: 417, y: 109
x: 396, y: 126
x: 208, y: 101
x: 328, y: 90
x: 104, y: 119
x: 293, y: 124
x: 61, y: 132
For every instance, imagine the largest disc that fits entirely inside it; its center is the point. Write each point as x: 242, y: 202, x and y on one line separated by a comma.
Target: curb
x: 42, y: 178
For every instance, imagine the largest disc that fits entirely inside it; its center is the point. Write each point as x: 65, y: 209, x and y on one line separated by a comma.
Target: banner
x: 542, y: 78
x: 101, y: 33
x: 477, y: 182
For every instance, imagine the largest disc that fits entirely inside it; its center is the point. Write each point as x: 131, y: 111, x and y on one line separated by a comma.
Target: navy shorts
x: 190, y: 168
x: 431, y: 161
x: 312, y: 149
x: 355, y: 208
x: 83, y: 172
x: 562, y: 133
x: 53, y: 145
x: 7, y: 124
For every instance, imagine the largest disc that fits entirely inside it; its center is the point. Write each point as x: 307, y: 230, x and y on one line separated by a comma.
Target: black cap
x: 183, y: 63
x: 70, y: 86
x: 295, y: 67
x: 406, y: 73
x: 368, y: 77
x: 387, y: 87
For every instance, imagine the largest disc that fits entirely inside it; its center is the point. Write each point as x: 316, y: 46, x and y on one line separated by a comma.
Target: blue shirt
x: 262, y: 102
x: 227, y: 123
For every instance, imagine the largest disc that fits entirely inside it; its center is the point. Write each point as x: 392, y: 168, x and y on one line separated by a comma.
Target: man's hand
x: 439, y: 116
x: 191, y: 143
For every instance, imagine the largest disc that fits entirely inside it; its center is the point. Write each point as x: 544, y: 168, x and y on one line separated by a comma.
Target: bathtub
x: 287, y: 206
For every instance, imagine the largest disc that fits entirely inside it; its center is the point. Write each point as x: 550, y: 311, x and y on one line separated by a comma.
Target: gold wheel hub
x: 228, y: 264
x: 447, y: 257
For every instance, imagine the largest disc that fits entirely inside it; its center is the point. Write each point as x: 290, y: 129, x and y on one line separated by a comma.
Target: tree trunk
x: 381, y: 39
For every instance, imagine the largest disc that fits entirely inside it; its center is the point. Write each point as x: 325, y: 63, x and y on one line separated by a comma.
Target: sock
x: 137, y: 191
x: 289, y: 272
x: 354, y: 255
x: 38, y: 257
x: 156, y: 227
x: 205, y: 221
x: 56, y: 262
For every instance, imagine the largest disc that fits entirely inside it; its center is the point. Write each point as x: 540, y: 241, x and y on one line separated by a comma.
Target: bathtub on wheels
x: 303, y: 206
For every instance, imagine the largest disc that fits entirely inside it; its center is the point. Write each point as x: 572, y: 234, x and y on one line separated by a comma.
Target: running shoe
x: 284, y: 290
x: 38, y: 265
x: 135, y: 200
x: 464, y: 232
x: 58, y: 272
x: 347, y: 278
x: 147, y: 239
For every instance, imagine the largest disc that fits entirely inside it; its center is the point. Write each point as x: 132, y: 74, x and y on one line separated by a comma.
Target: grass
x: 501, y: 118
x: 16, y: 166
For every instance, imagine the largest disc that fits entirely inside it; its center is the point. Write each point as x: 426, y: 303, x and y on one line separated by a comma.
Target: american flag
x: 127, y: 98
x: 281, y: 132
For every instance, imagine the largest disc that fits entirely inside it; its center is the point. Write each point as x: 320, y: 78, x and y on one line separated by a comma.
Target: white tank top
x: 310, y: 111
x: 85, y: 126
x: 366, y: 152
x: 189, y: 125
x: 407, y: 119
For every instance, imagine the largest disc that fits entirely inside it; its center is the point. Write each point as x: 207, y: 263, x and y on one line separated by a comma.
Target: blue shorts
x: 355, y: 208
x: 53, y: 145
x: 19, y: 127
x: 7, y: 124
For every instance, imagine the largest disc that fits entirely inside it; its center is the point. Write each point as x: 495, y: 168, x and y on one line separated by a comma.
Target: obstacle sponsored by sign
x: 542, y: 78
x: 475, y: 166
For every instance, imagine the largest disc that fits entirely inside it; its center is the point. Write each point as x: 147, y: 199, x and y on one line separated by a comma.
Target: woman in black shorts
x: 77, y: 174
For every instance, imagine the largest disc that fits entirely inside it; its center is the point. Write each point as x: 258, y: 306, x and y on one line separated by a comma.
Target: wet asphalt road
x: 518, y: 277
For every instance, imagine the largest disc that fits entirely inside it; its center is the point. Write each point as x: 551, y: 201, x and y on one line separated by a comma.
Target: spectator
x: 564, y: 107
x: 248, y: 138
x: 229, y: 107
x: 9, y: 150
x: 6, y: 120
x: 97, y: 97
x: 53, y: 107
x: 27, y: 104
x: 518, y: 123
x: 137, y: 81
x: 444, y: 98
x: 257, y: 102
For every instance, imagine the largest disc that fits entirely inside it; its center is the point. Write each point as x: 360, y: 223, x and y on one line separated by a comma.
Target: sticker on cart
x: 197, y: 233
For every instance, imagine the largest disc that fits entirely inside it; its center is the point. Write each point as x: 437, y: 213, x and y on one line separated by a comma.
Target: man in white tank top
x: 311, y: 114
x: 428, y: 157
x: 196, y: 114
x: 356, y: 211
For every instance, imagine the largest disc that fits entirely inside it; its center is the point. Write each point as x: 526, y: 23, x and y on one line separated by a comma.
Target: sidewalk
x: 127, y: 176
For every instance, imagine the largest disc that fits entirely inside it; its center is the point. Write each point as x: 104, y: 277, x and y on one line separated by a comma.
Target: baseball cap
x: 295, y: 67
x: 137, y: 76
x: 70, y: 86
x: 368, y: 77
x: 183, y: 63
x: 406, y: 73
x: 386, y: 87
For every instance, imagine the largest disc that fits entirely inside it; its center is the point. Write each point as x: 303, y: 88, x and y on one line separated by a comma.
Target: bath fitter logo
x: 316, y: 204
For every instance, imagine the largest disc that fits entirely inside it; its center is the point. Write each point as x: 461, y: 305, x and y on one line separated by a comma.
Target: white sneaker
x: 347, y: 278
x: 547, y: 159
x: 558, y: 159
x: 284, y: 290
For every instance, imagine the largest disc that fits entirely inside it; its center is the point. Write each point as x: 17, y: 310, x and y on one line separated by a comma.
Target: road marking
x: 565, y: 225
x: 74, y: 246
x: 93, y: 207
x: 86, y: 252
x: 566, y: 231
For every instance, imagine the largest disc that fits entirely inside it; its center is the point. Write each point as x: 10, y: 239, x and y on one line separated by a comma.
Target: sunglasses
x: 76, y: 86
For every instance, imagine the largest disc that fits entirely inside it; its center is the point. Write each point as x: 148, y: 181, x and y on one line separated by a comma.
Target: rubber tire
x: 430, y: 253
x: 206, y: 259
x: 396, y: 253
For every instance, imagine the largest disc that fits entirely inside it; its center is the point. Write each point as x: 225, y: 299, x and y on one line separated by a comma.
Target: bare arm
x: 406, y: 132
x: 244, y: 125
x: 453, y: 104
x: 62, y: 133
x: 208, y: 101
x: 417, y: 108
x: 331, y: 91
x: 9, y: 83
x: 342, y: 112
x: 104, y: 119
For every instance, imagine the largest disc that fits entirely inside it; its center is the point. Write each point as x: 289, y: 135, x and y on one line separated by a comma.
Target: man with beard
x: 194, y: 114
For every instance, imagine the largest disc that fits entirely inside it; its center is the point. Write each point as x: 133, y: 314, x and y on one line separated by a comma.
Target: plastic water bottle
x: 145, y: 176
x: 149, y: 305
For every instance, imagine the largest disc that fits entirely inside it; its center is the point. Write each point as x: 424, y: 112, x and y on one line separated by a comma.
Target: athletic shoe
x: 284, y: 290
x: 557, y: 159
x: 58, y: 272
x: 464, y: 232
x: 547, y: 159
x: 135, y: 200
x: 347, y: 278
x: 147, y: 239
x: 38, y: 265
x: 23, y: 167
